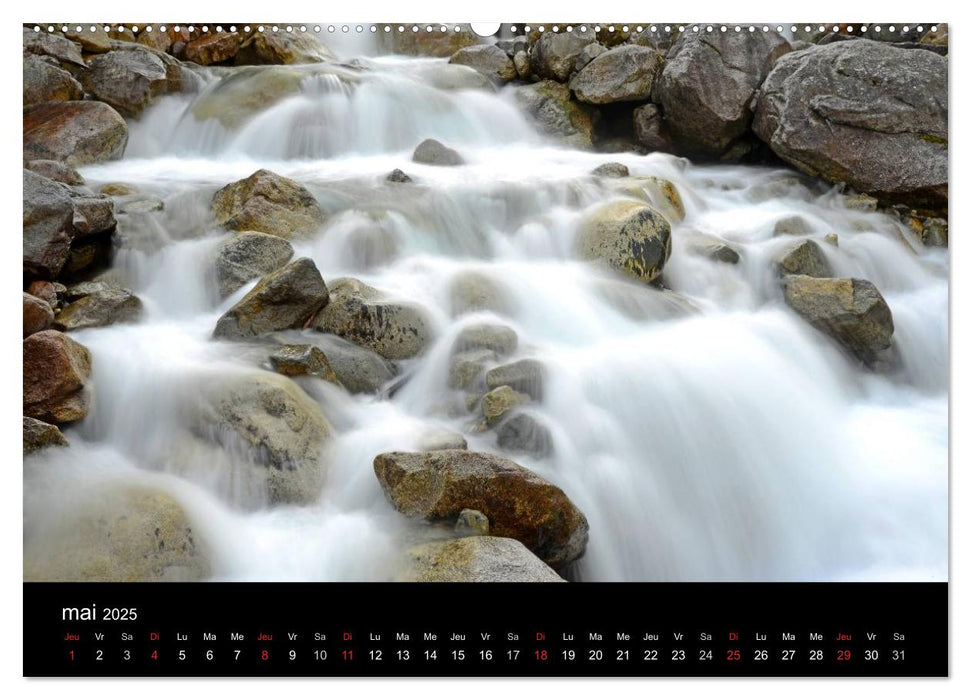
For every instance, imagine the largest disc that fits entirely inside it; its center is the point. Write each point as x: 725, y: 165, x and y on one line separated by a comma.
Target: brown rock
x: 269, y: 203
x: 280, y: 48
x: 38, y: 315
x: 46, y: 83
x: 56, y: 370
x: 38, y: 435
x: 212, y: 48
x: 48, y: 228
x: 75, y: 133
x: 101, y: 308
x: 127, y: 80
x: 58, y: 172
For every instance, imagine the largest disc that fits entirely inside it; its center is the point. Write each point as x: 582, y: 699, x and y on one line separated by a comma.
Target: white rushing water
x: 707, y: 436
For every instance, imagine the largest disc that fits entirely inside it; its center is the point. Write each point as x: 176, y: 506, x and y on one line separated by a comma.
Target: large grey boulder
x: 48, y: 226
x: 127, y: 80
x: 864, y: 113
x: 628, y: 236
x: 555, y: 54
x: 100, y: 308
x: 476, y: 559
x: 248, y: 255
x: 624, y: 74
x: 804, y: 258
x: 708, y: 83
x: 548, y: 103
x: 269, y: 203
x: 46, y: 83
x: 487, y: 59
x: 432, y: 152
x: 76, y: 132
x: 359, y: 370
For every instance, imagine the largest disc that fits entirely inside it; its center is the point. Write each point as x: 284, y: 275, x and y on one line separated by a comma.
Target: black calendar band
x: 502, y: 630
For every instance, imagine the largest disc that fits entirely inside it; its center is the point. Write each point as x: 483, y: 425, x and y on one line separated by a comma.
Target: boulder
x: 472, y: 523
x: 526, y: 376
x: 500, y: 401
x: 793, y: 225
x: 397, y: 175
x: 487, y: 59
x: 864, y: 113
x: 805, y: 258
x: 75, y: 133
x: 471, y: 291
x: 38, y: 435
x: 286, y: 298
x: 466, y: 369
x: 432, y: 152
x: 215, y: 47
x: 245, y: 92
x: 268, y: 203
x: 363, y: 315
x: 556, y: 115
x: 434, y: 44
x: 56, y: 371
x: 519, y: 504
x: 38, y: 315
x: 90, y: 42
x: 127, y: 80
x: 708, y: 83
x: 280, y: 48
x: 650, y: 131
x: 521, y: 432
x: 102, y: 308
x: 624, y: 74
x: 160, y: 41
x: 590, y: 52
x: 58, y: 172
x: 851, y: 311
x: 628, y: 236
x: 502, y: 340
x: 283, y: 428
x: 555, y: 54
x: 48, y: 225
x: 93, y: 213
x: 46, y: 83
x: 477, y: 559
x: 60, y: 48
x: 48, y: 291
x: 302, y: 360
x: 118, y: 534
x: 613, y: 170
x: 359, y: 370
x: 248, y: 255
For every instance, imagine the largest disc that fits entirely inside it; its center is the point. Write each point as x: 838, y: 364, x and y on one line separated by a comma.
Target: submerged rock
x: 851, y: 311
x: 286, y: 298
x: 611, y: 170
x: 471, y: 291
x: 500, y: 339
x: 268, y: 203
x: 549, y: 104
x: 302, y: 360
x: 359, y: 370
x: 805, y: 258
x: 479, y: 559
x: 442, y: 439
x: 248, y: 255
x: 363, y: 315
x: 624, y: 74
x: 526, y: 376
x: 500, y: 401
x: 522, y: 432
x: 76, y: 133
x: 518, y: 503
x: 793, y: 225
x: 432, y: 152
x: 628, y: 236
x: 38, y: 435
x: 466, y: 369
x: 711, y: 247
x: 56, y: 372
x: 487, y: 59
x: 100, y: 308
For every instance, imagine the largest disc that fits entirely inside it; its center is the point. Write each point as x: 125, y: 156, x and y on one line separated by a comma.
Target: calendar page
x: 532, y: 349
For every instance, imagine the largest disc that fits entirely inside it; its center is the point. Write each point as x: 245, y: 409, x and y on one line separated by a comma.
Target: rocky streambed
x: 439, y: 308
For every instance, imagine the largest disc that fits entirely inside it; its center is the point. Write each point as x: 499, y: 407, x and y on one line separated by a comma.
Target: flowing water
x: 707, y: 432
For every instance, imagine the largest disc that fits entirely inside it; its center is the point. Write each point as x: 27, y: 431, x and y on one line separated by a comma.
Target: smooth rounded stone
x: 525, y: 376
x: 519, y: 504
x: 246, y: 92
x: 650, y: 130
x: 280, y: 48
x: 48, y: 225
x: 46, y: 83
x: 432, y: 152
x: 471, y: 523
x: 359, y: 370
x: 832, y: 239
x: 521, y: 432
x: 65, y: 51
x: 118, y: 189
x: 283, y: 428
x: 286, y: 298
x: 129, y: 81
x: 75, y: 133
x: 793, y: 225
x: 487, y: 59
x: 864, y: 113
x: 269, y: 203
x: 804, y: 258
x: 38, y: 315
x: 93, y: 213
x: 38, y: 435
x: 471, y: 291
x: 398, y: 175
x: 363, y: 315
x: 624, y: 74
x: 710, y: 247
x: 500, y: 401
x: 615, y: 170
x: 708, y: 83
x: 435, y: 44
x: 590, y: 52
x: 661, y: 193
x: 851, y: 311
x: 59, y: 172
x: 502, y: 340
x: 442, y: 439
x: 247, y: 255
x: 212, y: 48
x: 555, y: 55
x: 556, y: 115
x: 302, y: 360
x: 466, y: 369
x: 479, y: 559
x: 101, y: 308
x: 629, y: 237
x: 118, y: 534
x: 48, y: 291
x: 56, y: 372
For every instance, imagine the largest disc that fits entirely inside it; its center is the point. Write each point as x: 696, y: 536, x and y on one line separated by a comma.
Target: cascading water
x: 707, y: 432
